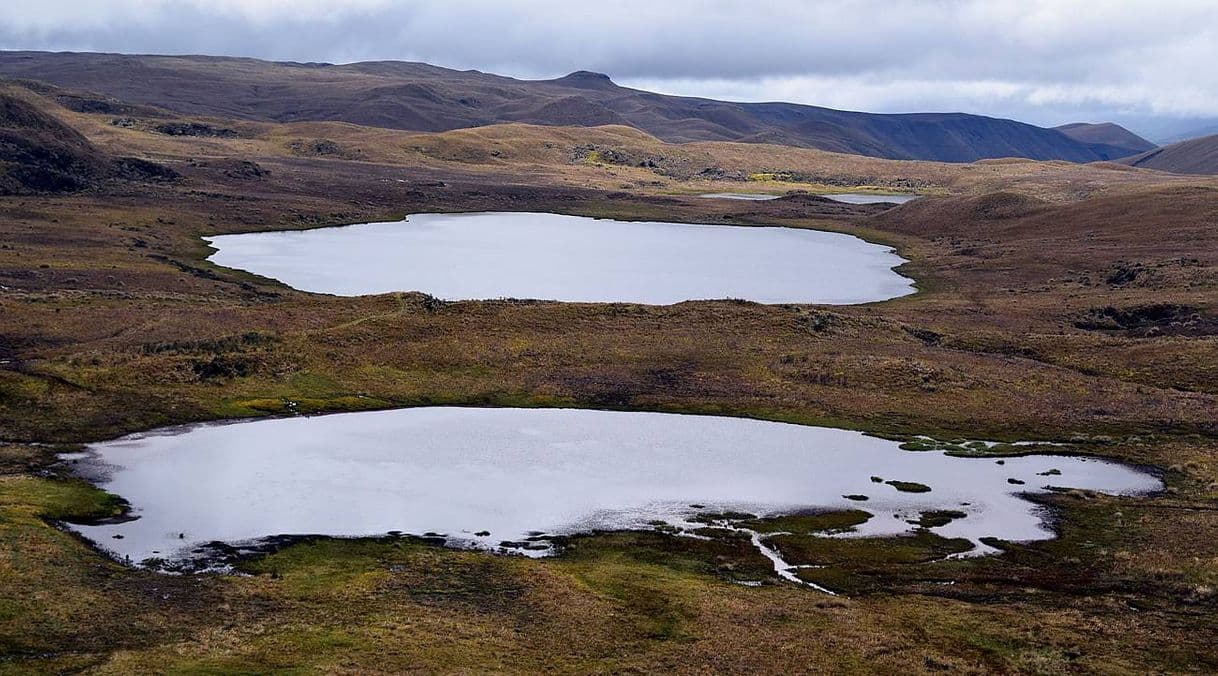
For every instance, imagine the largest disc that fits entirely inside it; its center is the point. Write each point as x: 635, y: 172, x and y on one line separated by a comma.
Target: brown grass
x: 109, y: 308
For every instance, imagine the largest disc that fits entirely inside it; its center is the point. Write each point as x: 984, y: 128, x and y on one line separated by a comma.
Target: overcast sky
x: 1146, y: 63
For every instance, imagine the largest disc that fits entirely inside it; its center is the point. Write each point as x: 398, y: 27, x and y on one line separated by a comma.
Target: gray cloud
x: 1046, y: 61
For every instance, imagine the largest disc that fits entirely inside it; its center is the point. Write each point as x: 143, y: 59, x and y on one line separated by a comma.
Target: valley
x: 1072, y: 305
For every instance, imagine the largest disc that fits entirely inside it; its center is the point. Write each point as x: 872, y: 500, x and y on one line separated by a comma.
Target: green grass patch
x: 866, y: 552
x: 937, y: 517
x: 58, y: 499
x: 326, y: 565
x: 818, y: 522
x: 909, y: 486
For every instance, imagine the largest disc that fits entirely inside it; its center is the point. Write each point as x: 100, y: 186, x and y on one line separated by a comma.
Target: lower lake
x: 571, y: 258
x: 494, y: 477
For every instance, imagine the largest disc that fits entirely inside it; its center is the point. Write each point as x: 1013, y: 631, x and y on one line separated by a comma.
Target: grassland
x: 1057, y: 302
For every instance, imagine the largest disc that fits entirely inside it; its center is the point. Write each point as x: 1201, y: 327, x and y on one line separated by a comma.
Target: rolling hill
x: 422, y: 97
x: 39, y: 154
x: 1196, y: 156
x: 1120, y: 141
x: 1187, y: 134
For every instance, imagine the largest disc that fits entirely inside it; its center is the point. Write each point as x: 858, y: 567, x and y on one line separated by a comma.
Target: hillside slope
x: 1120, y: 141
x: 41, y: 154
x: 421, y: 97
x: 1204, y: 129
x: 1197, y: 156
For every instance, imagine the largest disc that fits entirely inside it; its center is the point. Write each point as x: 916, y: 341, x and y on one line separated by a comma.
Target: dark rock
x: 195, y: 129
x: 246, y: 170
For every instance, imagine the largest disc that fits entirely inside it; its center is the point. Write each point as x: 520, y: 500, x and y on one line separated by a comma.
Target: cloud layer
x: 1045, y: 61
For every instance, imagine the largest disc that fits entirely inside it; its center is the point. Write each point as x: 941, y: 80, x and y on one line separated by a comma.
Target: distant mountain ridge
x: 422, y: 97
x: 1120, y: 141
x: 1190, y: 134
x: 1195, y: 156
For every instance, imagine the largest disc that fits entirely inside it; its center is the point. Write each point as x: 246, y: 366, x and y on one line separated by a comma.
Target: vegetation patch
x: 936, y: 518
x: 195, y: 129
x: 866, y: 552
x: 1151, y: 319
x: 321, y: 147
x: 960, y: 448
x: 224, y: 344
x: 909, y: 486
x: 732, y: 558
x: 814, y: 522
x: 68, y: 500
x: 719, y: 517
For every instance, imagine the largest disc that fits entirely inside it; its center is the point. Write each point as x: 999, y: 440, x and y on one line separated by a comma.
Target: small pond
x: 571, y: 258
x: 493, y: 478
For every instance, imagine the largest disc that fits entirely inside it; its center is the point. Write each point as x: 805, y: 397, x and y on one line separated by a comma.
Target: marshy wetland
x: 511, y: 480
x: 547, y: 256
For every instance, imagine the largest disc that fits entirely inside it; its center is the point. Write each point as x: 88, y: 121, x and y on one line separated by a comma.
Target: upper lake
x: 475, y: 256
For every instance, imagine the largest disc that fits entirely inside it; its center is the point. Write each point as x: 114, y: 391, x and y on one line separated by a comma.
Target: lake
x: 485, y: 476
x: 570, y: 258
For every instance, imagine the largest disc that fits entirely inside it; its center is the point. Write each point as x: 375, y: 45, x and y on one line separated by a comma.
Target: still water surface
x: 482, y: 477
x: 571, y: 258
